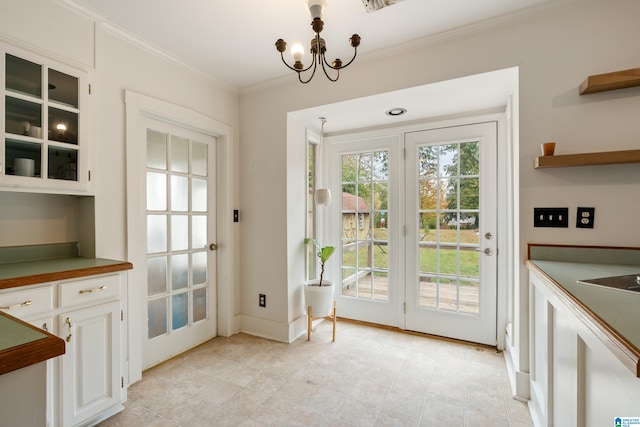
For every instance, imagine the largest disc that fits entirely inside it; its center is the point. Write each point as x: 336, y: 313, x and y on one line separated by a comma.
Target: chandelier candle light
x: 317, y: 49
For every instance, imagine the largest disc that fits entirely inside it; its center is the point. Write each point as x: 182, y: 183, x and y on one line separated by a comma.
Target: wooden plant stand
x: 331, y: 317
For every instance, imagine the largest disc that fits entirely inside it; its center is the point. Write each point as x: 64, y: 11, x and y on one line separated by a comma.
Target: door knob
x: 487, y: 251
x: 213, y: 247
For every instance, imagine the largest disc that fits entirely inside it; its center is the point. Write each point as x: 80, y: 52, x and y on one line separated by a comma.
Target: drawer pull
x: 14, y: 306
x: 69, y: 328
x: 90, y: 291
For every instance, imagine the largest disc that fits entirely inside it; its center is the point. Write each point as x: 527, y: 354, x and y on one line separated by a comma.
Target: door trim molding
x: 139, y: 106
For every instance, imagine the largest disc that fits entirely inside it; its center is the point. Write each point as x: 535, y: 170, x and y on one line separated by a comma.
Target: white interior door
x: 179, y: 302
x: 451, y: 263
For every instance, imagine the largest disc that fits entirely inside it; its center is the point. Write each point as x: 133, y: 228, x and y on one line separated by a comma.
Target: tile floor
x: 369, y: 377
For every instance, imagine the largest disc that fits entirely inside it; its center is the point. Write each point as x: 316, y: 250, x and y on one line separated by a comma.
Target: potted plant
x: 318, y: 293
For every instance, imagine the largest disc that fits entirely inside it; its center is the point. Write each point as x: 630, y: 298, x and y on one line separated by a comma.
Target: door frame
x: 139, y: 106
x: 507, y: 201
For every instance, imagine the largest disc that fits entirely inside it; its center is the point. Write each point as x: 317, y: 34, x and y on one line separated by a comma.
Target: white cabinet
x: 576, y: 380
x: 86, y: 384
x: 90, y: 370
x: 45, y: 124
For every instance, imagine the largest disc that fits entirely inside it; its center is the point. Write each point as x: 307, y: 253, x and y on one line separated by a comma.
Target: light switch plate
x: 585, y: 217
x: 551, y: 217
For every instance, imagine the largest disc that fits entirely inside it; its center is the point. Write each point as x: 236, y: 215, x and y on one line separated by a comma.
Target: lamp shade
x: 323, y: 196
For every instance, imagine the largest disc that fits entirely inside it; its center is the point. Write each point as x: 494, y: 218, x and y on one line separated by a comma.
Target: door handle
x: 487, y: 251
x: 213, y: 247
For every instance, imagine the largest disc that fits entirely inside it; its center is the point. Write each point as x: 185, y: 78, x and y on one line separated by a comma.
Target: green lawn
x: 448, y: 261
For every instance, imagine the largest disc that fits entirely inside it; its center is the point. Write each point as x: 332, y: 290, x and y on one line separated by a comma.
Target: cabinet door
x: 44, y: 144
x: 90, y: 369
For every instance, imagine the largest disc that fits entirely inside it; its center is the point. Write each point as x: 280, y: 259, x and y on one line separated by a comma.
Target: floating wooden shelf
x: 611, y: 81
x: 588, y: 159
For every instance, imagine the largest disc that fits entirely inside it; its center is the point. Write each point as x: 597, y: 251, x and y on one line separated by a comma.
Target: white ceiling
x: 233, y: 41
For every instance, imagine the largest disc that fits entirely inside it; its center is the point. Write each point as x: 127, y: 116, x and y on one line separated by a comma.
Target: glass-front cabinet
x: 45, y: 144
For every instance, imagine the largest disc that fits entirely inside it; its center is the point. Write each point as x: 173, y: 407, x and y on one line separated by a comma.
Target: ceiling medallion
x: 317, y: 48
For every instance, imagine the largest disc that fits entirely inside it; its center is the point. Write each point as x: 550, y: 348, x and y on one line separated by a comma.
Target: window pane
x: 157, y: 315
x: 179, y: 310
x: 199, y: 268
x: 156, y: 191
x: 156, y: 275
x: 179, y: 193
x: 199, y: 230
x: 156, y: 149
x: 179, y: 154
x: 199, y: 159
x: 67, y: 96
x: 179, y: 271
x: 199, y: 304
x: 179, y: 232
x: 199, y: 195
x: 156, y: 233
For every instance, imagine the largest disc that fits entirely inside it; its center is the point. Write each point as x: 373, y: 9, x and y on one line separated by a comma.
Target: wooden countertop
x: 23, y: 345
x: 42, y: 271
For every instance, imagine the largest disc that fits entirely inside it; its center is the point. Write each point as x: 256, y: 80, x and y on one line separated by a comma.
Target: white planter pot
x: 320, y: 298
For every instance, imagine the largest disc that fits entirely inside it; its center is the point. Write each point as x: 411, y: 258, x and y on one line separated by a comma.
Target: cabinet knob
x: 213, y: 247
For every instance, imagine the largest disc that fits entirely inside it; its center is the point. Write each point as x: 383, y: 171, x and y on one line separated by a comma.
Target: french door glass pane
x: 365, y: 257
x: 179, y: 271
x: 448, y: 233
x: 199, y: 304
x: 177, y: 233
x: 199, y: 159
x: 179, y: 310
x: 156, y: 233
x: 156, y: 149
x: 157, y: 313
x: 179, y: 154
x: 156, y: 275
x: 179, y: 193
x: 156, y: 191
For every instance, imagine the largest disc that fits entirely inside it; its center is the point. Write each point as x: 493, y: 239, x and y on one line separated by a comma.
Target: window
x: 312, y: 223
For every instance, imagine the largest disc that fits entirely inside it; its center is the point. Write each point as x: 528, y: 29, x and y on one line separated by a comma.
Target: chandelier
x: 317, y: 49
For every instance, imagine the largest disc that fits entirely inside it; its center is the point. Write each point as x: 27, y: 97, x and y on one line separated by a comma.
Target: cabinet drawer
x: 89, y: 291
x: 23, y: 304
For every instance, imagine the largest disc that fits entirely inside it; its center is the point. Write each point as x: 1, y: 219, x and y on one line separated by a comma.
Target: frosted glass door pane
x: 198, y: 195
x: 179, y: 193
x: 199, y: 159
x: 156, y: 276
x: 179, y: 310
x: 179, y: 232
x: 156, y: 191
x: 157, y: 322
x: 199, y: 268
x: 199, y: 237
x: 156, y: 233
x: 179, y: 271
x: 156, y: 149
x: 179, y: 154
x: 199, y: 304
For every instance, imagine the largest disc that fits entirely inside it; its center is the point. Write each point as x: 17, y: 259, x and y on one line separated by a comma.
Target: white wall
x: 555, y: 49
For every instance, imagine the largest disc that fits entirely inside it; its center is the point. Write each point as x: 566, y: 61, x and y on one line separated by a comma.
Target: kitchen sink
x: 629, y: 283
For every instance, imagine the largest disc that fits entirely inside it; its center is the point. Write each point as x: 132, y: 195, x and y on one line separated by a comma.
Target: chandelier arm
x: 355, y: 53
x: 315, y: 64
x: 294, y: 69
x: 324, y: 61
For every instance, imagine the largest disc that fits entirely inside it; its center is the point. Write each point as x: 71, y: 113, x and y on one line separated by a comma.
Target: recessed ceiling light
x: 397, y: 111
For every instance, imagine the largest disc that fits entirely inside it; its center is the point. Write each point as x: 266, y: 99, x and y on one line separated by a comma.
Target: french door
x: 180, y: 290
x: 416, y: 235
x: 451, y: 267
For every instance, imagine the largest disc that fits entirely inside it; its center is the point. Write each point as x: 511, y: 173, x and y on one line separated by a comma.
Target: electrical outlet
x: 262, y: 300
x: 551, y: 217
x: 585, y: 217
